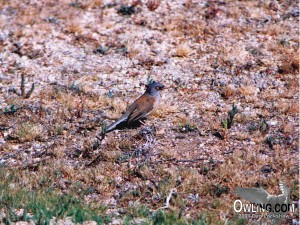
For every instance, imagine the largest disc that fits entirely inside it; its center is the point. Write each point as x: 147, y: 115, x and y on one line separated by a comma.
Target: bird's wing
x: 253, y: 195
x: 140, y: 108
x: 285, y: 190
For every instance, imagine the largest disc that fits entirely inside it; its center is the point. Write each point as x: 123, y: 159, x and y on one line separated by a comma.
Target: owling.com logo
x: 276, y: 206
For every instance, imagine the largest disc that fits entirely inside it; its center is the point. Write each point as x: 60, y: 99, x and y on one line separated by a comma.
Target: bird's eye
x: 157, y: 88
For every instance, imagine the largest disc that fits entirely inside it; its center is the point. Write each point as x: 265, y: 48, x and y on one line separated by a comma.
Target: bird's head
x: 154, y: 88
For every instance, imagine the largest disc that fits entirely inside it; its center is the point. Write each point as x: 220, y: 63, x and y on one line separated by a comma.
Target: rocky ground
x: 89, y: 60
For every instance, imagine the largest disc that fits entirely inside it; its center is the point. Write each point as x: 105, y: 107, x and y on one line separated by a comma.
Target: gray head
x: 154, y: 88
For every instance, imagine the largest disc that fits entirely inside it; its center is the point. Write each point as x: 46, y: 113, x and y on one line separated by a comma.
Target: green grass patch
x: 142, y: 215
x: 43, y: 205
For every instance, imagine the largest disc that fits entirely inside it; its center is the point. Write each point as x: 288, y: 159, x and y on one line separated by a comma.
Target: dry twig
x: 167, y: 205
x: 23, y: 94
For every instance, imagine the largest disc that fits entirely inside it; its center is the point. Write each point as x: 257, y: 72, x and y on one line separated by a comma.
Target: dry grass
x: 153, y: 4
x: 248, y: 90
x: 227, y: 92
x: 183, y: 50
x: 29, y: 132
x: 209, y: 56
x: 74, y: 28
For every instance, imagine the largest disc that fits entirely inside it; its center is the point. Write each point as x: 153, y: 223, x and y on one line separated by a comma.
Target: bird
x: 141, y: 107
x: 265, y: 200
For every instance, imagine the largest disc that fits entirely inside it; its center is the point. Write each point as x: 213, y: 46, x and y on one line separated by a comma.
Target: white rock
x: 272, y: 122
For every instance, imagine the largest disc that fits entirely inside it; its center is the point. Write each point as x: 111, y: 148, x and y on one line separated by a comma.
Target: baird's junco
x: 141, y: 107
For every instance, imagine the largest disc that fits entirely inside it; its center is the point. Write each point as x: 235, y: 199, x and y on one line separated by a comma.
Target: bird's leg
x: 98, y: 140
x: 100, y: 137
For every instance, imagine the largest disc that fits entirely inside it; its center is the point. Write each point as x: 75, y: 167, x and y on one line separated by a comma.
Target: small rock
x: 272, y: 122
x: 116, y: 222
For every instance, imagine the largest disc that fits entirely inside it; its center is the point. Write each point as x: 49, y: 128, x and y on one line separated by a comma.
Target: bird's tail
x: 113, y: 126
x: 110, y: 128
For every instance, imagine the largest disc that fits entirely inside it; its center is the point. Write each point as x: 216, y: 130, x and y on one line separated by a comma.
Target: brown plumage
x: 141, y: 107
